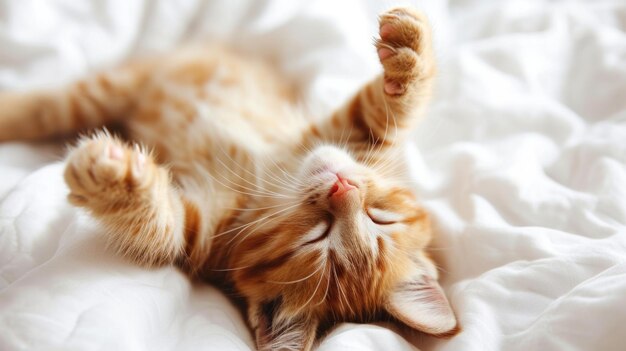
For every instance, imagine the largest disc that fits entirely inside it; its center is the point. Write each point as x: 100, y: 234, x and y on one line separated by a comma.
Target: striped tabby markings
x: 192, y: 226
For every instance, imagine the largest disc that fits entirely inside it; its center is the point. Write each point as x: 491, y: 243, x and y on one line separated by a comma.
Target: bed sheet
x: 521, y: 161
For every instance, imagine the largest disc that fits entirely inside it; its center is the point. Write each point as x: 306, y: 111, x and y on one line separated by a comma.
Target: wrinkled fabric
x: 520, y: 160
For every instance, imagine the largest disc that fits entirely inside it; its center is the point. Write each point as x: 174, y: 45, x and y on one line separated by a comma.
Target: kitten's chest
x: 214, y: 125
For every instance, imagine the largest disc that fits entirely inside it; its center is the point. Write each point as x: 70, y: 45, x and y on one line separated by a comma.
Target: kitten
x: 307, y: 223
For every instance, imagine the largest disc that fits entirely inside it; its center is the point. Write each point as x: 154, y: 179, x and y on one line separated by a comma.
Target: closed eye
x: 383, y: 217
x: 319, y: 232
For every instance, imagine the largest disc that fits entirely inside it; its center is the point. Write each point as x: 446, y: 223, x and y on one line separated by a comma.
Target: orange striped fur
x: 309, y: 224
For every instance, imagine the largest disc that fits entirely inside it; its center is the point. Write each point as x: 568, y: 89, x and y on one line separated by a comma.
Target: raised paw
x: 404, y: 49
x: 102, y: 170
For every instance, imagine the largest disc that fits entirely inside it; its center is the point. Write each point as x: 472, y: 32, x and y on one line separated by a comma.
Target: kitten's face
x: 338, y: 251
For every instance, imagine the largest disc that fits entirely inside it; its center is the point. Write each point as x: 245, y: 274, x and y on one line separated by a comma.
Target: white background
x: 521, y: 161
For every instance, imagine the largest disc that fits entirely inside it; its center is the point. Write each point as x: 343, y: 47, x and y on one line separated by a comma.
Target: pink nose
x: 340, y: 187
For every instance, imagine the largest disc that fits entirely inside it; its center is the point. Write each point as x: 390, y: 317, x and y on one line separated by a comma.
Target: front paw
x: 404, y: 49
x: 102, y: 169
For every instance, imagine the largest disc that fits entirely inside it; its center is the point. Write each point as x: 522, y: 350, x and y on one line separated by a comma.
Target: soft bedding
x: 521, y: 162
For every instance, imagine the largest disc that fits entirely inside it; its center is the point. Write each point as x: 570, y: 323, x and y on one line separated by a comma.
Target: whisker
x: 326, y: 292
x: 252, y: 191
x: 247, y: 193
x: 260, y: 208
x: 229, y: 269
x: 286, y: 174
x: 247, y: 181
x: 257, y: 226
x: 313, y: 294
x: 341, y: 292
x: 255, y: 221
x: 297, y: 280
x: 245, y: 169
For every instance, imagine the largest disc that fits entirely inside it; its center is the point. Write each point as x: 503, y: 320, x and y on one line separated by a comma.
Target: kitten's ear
x: 276, y: 330
x: 419, y: 302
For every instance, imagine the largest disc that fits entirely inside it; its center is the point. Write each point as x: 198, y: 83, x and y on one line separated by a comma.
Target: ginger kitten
x: 306, y: 223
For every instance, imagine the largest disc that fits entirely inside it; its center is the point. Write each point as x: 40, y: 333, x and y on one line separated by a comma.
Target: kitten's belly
x: 207, y: 99
x: 210, y: 118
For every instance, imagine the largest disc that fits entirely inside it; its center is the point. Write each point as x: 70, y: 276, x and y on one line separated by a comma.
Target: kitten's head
x: 341, y: 241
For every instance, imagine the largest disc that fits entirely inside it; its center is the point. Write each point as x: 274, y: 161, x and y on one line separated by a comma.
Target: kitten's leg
x: 131, y: 195
x: 86, y: 104
x: 389, y: 105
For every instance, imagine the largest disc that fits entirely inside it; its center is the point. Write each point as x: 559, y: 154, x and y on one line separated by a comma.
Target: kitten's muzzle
x: 344, y: 195
x: 341, y: 187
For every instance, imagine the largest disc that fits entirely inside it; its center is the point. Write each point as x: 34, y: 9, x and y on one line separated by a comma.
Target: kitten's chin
x: 325, y: 160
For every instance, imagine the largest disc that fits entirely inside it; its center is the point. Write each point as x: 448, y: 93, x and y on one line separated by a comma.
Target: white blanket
x: 521, y: 162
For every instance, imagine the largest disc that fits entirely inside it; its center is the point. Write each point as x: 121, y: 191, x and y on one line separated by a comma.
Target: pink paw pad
x: 393, y: 88
x: 384, y: 53
x: 116, y: 152
x: 385, y: 30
